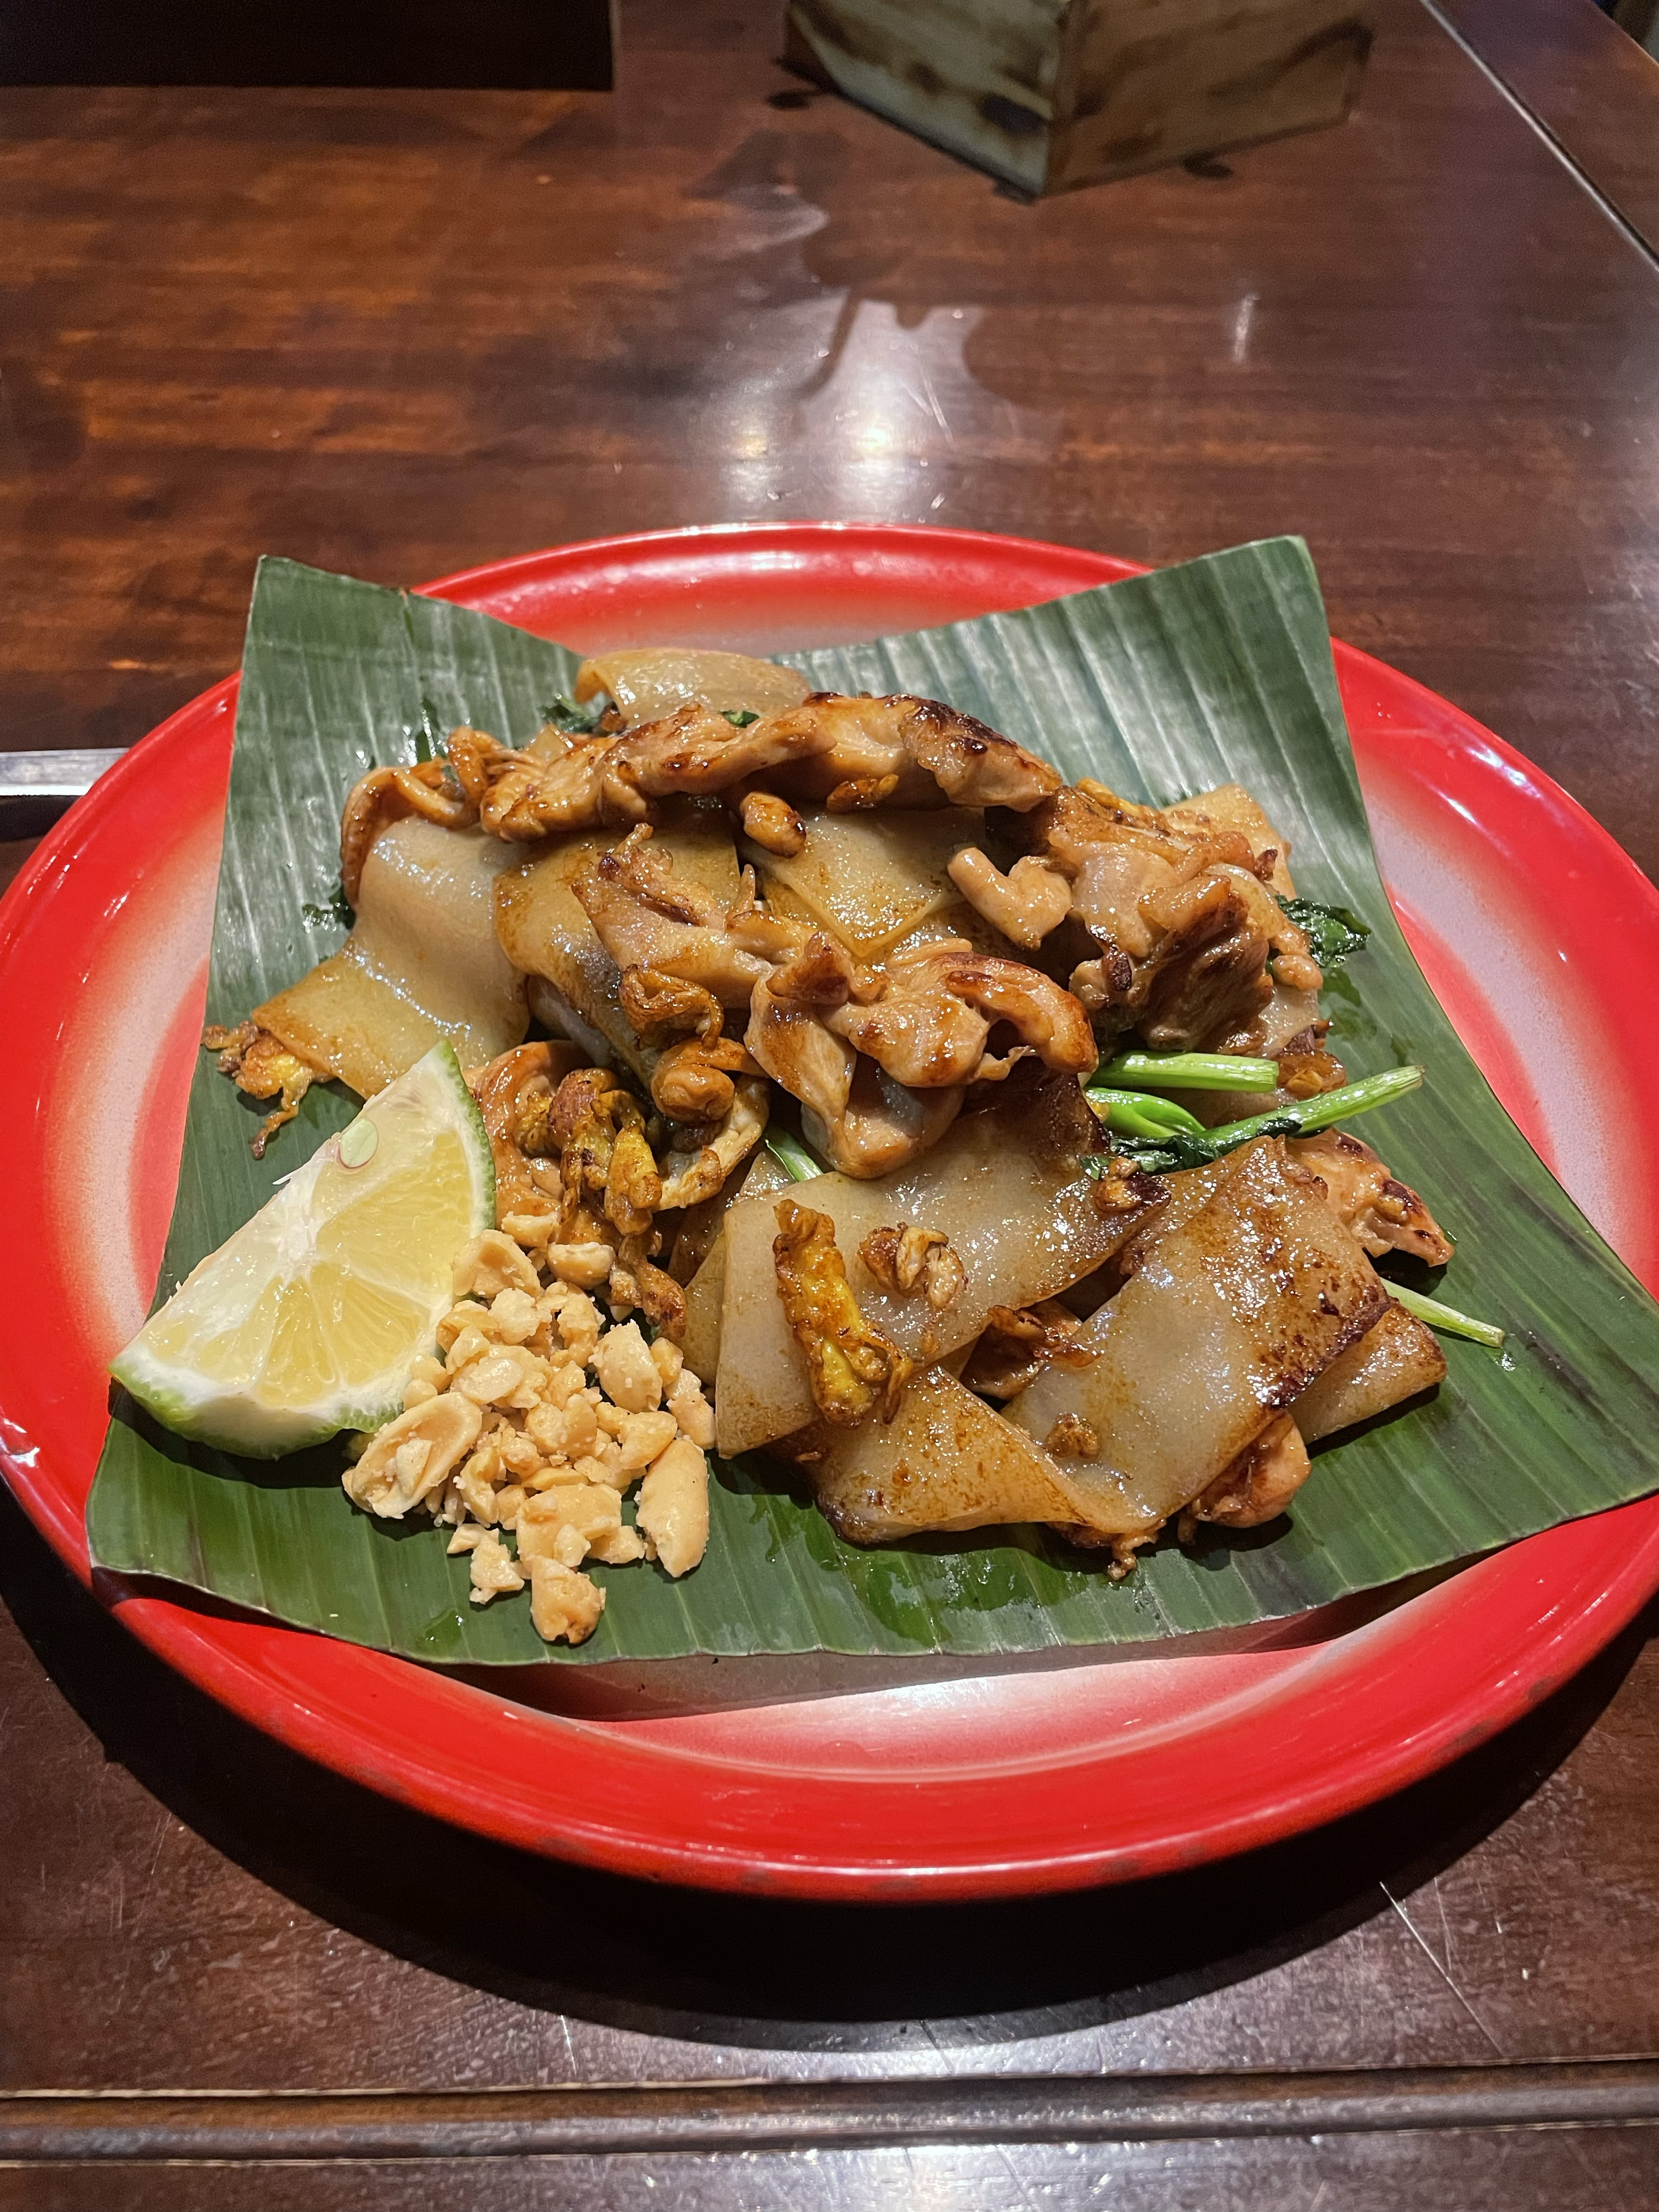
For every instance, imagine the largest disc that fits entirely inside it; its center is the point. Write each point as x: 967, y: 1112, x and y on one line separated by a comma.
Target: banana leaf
x: 1161, y: 685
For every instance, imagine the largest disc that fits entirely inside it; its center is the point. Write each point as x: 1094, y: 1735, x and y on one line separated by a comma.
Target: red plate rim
x: 1439, y: 1675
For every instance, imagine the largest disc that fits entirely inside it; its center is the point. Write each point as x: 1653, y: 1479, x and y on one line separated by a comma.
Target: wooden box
x: 1055, y: 93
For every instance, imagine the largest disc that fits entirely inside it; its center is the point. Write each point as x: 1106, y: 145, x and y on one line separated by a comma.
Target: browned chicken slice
x: 873, y: 1054
x: 1208, y: 968
x: 1025, y: 904
x: 1256, y: 1486
x: 560, y: 784
x: 647, y: 914
x: 787, y: 1041
x: 926, y: 1015
x: 906, y: 752
x: 386, y: 795
x: 1385, y: 1214
x: 1183, y: 938
x: 1230, y: 807
x: 611, y: 781
x: 863, y: 1122
x: 884, y: 1124
x: 514, y: 1093
x: 1018, y: 1343
x: 698, y: 751
x: 932, y: 1022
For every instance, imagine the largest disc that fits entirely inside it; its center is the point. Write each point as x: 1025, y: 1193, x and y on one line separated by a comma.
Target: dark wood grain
x: 258, y: 1923
x: 1589, y: 84
x: 399, y: 332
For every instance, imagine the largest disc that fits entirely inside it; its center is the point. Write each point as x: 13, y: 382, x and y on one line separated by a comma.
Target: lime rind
x: 275, y: 1243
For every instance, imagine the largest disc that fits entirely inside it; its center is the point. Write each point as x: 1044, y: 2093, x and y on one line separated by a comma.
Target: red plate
x: 1095, y: 1772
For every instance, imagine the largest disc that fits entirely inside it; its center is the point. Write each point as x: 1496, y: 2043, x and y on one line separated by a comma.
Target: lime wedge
x: 304, y: 1322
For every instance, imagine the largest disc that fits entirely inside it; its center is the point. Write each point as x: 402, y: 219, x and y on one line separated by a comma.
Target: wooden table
x: 398, y: 333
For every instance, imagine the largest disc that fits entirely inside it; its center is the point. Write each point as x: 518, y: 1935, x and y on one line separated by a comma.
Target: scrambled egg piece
x: 854, y: 1372
x: 262, y: 1066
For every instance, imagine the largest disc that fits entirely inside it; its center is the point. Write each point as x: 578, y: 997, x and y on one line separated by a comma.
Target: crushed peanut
x: 533, y: 1419
x: 905, y: 1259
x: 493, y: 1569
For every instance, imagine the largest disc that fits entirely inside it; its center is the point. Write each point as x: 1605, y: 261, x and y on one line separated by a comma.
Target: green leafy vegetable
x: 333, y: 912
x: 740, y: 717
x: 1331, y: 931
x: 576, y: 721
x: 431, y: 732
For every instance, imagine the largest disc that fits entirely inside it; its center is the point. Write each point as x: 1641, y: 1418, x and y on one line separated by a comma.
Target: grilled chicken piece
x: 575, y: 987
x: 863, y: 1122
x: 514, y: 1093
x: 701, y: 1158
x: 610, y: 781
x: 1257, y: 1486
x: 1019, y: 1342
x: 1384, y: 1214
x: 862, y: 751
x: 1025, y: 904
x: 1230, y: 807
x: 818, y: 1023
x: 1186, y: 940
x: 648, y: 914
x: 931, y: 1023
x: 560, y: 784
x: 386, y: 795
x: 850, y: 752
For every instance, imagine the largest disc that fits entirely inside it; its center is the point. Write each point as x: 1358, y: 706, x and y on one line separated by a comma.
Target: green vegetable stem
x: 1298, y: 1117
x: 793, y: 1157
x: 1189, y: 1071
x: 1447, y: 1319
x: 1140, y: 1113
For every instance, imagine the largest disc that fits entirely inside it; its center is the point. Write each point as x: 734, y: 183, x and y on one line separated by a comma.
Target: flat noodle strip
x: 1226, y: 1322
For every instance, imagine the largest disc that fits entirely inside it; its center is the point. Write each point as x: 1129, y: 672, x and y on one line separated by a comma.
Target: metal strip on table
x: 36, y: 787
x: 727, y: 2117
